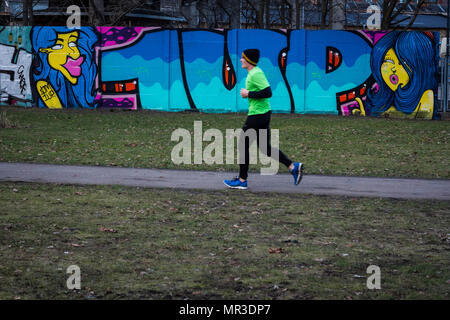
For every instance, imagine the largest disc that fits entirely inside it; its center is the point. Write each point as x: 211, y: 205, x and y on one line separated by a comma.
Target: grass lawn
x: 139, y: 243
x: 330, y: 145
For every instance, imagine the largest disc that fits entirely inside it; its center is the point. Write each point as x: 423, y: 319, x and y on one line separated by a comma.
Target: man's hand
x: 244, y: 93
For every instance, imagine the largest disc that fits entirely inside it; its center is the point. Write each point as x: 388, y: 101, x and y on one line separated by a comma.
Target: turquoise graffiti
x: 200, y: 70
x: 363, y: 73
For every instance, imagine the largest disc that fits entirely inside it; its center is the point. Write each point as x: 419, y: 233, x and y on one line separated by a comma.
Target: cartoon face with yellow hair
x: 65, y: 56
x: 64, y: 70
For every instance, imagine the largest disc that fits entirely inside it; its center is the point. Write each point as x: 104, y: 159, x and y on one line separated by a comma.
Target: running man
x: 258, y: 91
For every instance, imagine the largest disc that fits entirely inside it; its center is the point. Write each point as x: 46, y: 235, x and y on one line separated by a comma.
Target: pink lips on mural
x: 73, y: 66
x: 393, y: 78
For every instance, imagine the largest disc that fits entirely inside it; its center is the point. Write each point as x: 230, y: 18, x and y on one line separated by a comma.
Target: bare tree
x: 337, y: 16
x: 333, y: 13
x: 232, y: 9
x: 295, y: 9
x: 267, y: 21
x: 27, y: 12
x: 391, y: 10
x: 203, y: 13
x: 208, y: 13
x: 112, y: 14
x: 96, y: 12
x: 325, y: 6
x: 235, y: 19
x: 257, y: 13
x: 261, y: 6
x: 234, y: 13
x: 119, y: 9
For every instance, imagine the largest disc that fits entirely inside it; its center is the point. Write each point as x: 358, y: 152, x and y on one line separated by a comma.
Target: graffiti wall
x: 323, y: 72
x: 15, y: 64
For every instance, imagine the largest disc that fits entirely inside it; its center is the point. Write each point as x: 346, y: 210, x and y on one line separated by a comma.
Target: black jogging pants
x: 257, y: 122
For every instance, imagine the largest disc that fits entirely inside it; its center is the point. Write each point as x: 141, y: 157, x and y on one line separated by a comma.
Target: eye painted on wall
x: 333, y: 59
x: 228, y: 73
x: 282, y: 59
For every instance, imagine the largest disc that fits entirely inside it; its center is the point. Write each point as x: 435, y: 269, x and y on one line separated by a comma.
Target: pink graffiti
x: 115, y: 37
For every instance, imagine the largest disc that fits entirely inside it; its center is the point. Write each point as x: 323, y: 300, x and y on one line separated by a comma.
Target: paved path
x: 157, y: 178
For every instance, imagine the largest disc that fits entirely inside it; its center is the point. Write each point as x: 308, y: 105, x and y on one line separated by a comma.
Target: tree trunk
x: 27, y: 12
x: 260, y: 14
x: 235, y: 18
x: 324, y: 12
x: 211, y: 19
x: 388, y: 8
x: 298, y: 6
x: 96, y: 12
x: 267, y: 14
x: 293, y: 14
x: 338, y: 15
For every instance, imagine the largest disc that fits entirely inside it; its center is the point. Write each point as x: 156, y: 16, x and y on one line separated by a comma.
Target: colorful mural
x: 324, y: 72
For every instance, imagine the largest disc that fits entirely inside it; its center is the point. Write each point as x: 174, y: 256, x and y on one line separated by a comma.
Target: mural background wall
x: 321, y: 72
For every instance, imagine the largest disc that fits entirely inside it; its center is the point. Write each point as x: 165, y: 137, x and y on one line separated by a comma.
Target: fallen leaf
x: 131, y: 144
x: 276, y: 250
x: 107, y: 230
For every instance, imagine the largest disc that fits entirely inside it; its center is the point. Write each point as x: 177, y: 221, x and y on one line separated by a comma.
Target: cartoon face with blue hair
x: 64, y: 70
x: 404, y: 66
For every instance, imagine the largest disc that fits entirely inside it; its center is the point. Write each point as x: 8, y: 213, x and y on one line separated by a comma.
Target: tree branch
x: 416, y: 12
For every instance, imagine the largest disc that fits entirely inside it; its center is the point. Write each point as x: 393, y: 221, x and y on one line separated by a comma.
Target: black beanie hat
x: 251, y: 56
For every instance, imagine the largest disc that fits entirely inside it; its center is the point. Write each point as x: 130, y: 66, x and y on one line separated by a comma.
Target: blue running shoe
x: 297, y: 172
x: 235, y: 183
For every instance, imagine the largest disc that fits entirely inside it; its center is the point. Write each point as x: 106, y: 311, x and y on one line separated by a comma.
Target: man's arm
x: 261, y: 94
